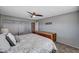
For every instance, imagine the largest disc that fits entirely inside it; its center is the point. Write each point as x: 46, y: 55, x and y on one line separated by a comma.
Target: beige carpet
x: 65, y: 49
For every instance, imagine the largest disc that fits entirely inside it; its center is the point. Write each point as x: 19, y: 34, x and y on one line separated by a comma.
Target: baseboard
x: 68, y: 45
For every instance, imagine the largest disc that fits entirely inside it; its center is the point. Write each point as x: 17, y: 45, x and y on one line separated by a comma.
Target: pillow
x: 11, y: 39
x: 4, y: 45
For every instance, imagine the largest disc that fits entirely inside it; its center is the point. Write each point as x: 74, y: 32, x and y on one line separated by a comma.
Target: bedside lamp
x: 4, y: 30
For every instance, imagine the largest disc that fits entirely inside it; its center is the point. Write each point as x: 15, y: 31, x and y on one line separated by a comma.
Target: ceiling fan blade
x: 39, y: 15
x: 29, y: 12
x: 34, y: 14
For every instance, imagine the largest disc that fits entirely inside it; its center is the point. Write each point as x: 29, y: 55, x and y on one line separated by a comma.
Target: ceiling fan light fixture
x: 34, y: 16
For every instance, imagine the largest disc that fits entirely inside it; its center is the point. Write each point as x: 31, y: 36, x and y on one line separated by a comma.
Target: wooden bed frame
x: 49, y: 35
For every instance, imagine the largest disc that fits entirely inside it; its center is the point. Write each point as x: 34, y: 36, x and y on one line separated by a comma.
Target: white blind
x: 17, y: 27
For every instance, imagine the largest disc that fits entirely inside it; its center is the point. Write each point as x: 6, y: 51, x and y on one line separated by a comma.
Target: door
x: 33, y: 27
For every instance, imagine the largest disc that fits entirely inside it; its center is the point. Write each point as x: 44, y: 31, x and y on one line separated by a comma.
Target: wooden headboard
x: 49, y: 35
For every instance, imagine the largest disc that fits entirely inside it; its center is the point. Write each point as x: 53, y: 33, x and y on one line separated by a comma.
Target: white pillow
x: 11, y: 39
x: 4, y: 45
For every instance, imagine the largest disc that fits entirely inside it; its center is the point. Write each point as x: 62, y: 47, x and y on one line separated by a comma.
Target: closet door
x: 33, y: 27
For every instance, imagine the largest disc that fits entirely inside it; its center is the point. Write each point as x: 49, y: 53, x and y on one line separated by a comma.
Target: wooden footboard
x: 49, y: 35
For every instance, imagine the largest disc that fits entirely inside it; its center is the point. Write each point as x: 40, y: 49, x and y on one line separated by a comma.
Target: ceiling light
x: 34, y: 16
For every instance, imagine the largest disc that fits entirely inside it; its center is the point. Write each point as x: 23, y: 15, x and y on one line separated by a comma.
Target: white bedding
x: 32, y: 43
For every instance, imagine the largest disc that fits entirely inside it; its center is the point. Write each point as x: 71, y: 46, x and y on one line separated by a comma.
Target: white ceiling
x: 47, y: 11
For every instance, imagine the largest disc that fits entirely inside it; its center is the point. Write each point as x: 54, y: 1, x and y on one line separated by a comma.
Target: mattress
x: 33, y: 43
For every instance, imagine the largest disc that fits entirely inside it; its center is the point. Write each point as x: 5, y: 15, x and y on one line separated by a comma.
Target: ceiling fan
x: 33, y: 14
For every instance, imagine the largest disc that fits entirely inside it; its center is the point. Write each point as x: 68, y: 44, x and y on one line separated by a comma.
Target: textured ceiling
x: 47, y: 11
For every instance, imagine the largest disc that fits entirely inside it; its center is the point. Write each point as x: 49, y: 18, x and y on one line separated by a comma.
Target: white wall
x: 15, y: 25
x: 66, y: 26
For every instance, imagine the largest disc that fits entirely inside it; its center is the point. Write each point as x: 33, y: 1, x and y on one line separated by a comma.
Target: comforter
x: 33, y: 43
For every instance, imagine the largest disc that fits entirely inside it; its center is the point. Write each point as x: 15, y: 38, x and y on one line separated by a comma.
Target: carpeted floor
x: 65, y: 49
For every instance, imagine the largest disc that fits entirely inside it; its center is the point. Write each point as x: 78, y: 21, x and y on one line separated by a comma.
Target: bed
x: 32, y: 43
